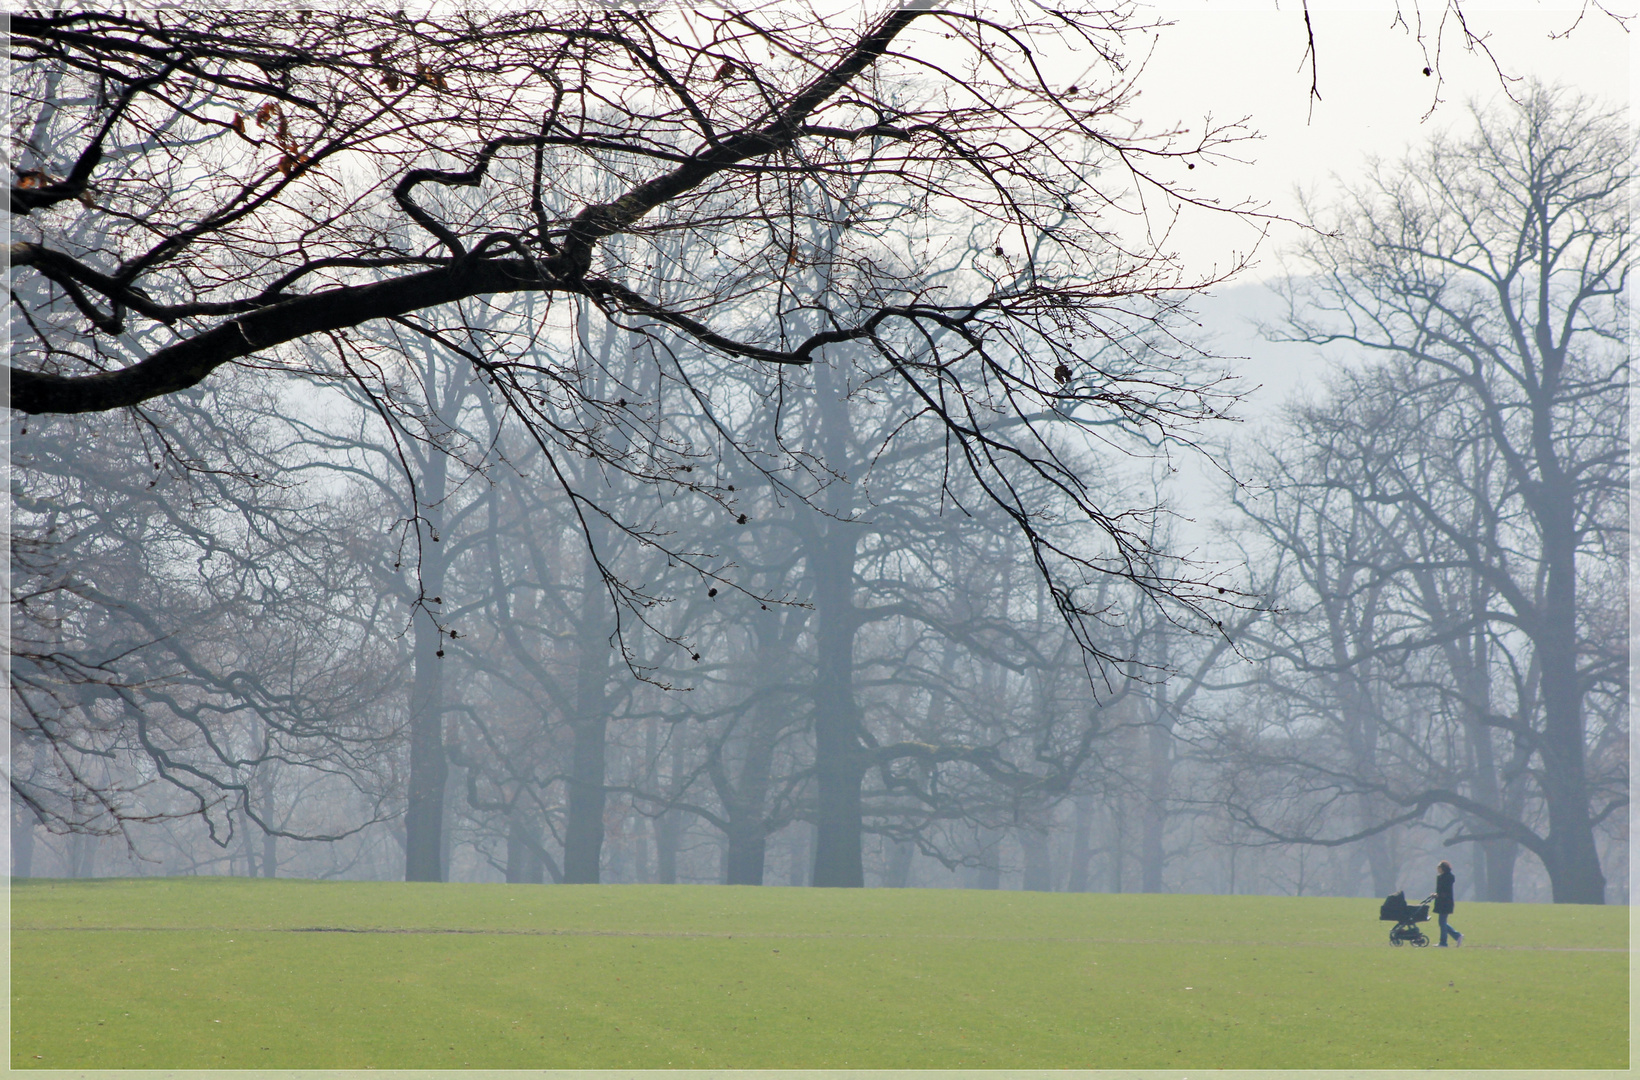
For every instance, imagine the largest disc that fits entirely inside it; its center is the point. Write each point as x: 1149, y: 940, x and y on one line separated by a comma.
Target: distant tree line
x: 711, y: 449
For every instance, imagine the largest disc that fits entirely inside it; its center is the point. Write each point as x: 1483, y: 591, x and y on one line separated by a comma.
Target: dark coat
x: 1443, y: 893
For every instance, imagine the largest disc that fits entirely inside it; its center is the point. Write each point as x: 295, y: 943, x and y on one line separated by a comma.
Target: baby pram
x: 1406, y: 918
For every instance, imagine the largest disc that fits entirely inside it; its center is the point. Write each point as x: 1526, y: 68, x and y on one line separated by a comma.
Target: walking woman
x: 1442, y: 896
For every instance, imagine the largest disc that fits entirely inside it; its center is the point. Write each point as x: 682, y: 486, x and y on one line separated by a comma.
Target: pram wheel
x: 1395, y: 939
x: 1423, y: 940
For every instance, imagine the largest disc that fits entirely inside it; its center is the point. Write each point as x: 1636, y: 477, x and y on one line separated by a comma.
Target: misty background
x: 230, y: 612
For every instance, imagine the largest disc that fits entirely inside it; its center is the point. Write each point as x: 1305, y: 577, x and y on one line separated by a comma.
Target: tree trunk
x: 1574, y: 865
x: 1152, y: 851
x: 900, y: 857
x: 524, y: 865
x: 22, y: 840
x: 1038, y: 868
x: 1081, y: 846
x: 455, y: 782
x: 1503, y: 855
x: 986, y: 873
x: 1117, y: 847
x: 270, y: 841
x: 1574, y: 870
x: 802, y: 835
x: 1362, y: 728
x: 1469, y: 658
x: 424, y: 810
x: 840, y: 764
x: 643, y: 868
x: 584, y: 822
x: 744, y: 860
x: 82, y: 856
x: 668, y: 827
x: 1380, y: 864
x: 745, y: 797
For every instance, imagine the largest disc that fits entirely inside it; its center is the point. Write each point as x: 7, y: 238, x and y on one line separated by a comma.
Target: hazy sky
x: 1247, y: 58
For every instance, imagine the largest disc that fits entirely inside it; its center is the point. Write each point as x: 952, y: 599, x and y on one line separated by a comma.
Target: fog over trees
x: 710, y: 447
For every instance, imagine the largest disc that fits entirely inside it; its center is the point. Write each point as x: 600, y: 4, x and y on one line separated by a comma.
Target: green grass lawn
x: 212, y: 973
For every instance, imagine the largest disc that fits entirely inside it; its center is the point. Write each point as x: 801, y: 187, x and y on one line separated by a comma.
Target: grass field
x: 212, y: 973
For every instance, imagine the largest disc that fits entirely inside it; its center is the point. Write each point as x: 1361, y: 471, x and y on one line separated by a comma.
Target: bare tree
x: 259, y: 189
x: 244, y: 165
x: 1485, y: 279
x: 164, y: 629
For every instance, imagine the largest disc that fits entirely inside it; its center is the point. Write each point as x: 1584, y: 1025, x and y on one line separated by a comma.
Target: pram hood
x: 1396, y: 909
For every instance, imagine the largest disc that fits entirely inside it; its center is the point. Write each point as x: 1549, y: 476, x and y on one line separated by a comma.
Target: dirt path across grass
x: 709, y: 935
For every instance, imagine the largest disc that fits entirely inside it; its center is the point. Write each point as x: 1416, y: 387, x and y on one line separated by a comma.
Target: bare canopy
x: 938, y: 198
x: 246, y: 179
